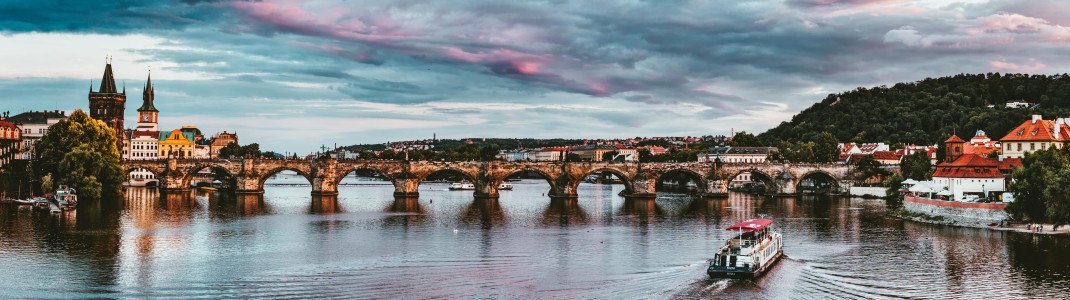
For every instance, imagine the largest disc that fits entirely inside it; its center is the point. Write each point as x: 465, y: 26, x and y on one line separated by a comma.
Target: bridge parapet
x: 640, y: 179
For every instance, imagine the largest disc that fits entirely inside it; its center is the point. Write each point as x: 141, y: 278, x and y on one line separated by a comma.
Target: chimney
x: 1058, y: 125
x: 1036, y: 118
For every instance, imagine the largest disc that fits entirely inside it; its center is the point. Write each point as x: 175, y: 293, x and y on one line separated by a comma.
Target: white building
x: 736, y: 154
x: 550, y: 154
x: 34, y: 125
x: 973, y: 175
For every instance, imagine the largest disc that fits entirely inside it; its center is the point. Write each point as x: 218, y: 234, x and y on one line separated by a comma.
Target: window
x: 1044, y: 146
x: 1032, y: 146
x: 1019, y: 146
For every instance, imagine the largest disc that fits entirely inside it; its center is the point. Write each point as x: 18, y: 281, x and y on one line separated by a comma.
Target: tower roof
x: 148, y: 96
x: 954, y: 139
x: 107, y: 84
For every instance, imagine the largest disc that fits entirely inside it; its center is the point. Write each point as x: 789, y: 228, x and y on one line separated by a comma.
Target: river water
x: 445, y: 244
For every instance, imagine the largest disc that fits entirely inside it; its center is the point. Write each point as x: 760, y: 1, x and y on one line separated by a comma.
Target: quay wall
x: 958, y: 213
x: 864, y: 191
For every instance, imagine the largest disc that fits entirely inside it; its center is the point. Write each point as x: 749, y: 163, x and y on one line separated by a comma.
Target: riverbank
x: 975, y: 215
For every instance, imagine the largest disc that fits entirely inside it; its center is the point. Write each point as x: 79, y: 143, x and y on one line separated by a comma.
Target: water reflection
x: 564, y: 212
x: 218, y: 245
x: 486, y: 213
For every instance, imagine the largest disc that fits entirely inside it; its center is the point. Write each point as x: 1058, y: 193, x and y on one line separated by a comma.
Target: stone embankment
x: 966, y: 214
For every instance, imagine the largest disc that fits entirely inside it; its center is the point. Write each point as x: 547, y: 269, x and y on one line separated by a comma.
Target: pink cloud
x: 1032, y: 66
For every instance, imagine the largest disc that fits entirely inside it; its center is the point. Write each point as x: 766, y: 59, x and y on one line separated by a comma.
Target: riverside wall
x: 958, y: 213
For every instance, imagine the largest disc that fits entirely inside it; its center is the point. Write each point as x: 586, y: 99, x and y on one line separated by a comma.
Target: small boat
x: 505, y: 187
x: 66, y: 197
x: 208, y: 188
x: 460, y: 186
x: 749, y: 254
x: 40, y: 204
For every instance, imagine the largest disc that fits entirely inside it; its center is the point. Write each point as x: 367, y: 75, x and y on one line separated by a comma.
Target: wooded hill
x: 928, y: 111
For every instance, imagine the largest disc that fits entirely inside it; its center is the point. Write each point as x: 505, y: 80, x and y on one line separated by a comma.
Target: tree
x: 573, y: 157
x: 744, y: 139
x: 46, y: 184
x: 867, y: 168
x: 893, y: 182
x: 1040, y: 187
x: 825, y: 147
x: 81, y: 152
x: 645, y: 155
x: 608, y: 156
x: 916, y: 166
x: 489, y: 152
x: 230, y: 150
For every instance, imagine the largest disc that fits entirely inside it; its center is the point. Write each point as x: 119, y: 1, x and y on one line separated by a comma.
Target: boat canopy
x: 751, y: 225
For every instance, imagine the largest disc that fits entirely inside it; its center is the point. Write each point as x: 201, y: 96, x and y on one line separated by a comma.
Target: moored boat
x: 505, y: 187
x: 749, y: 254
x: 66, y: 197
x: 460, y: 186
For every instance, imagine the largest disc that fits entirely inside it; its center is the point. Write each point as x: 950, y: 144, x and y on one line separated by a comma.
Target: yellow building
x: 176, y: 144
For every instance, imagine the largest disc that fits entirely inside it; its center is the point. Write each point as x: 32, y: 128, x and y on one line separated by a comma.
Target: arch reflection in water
x: 325, y: 204
x: 564, y: 212
x: 407, y: 212
x: 486, y: 212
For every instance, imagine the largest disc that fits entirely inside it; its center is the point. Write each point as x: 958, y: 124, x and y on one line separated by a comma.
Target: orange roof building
x: 980, y: 144
x: 1035, y: 134
x: 972, y: 174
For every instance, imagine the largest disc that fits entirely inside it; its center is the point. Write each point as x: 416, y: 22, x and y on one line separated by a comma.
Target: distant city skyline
x: 294, y: 75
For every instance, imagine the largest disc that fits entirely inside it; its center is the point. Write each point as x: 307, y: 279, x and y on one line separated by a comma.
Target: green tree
x: 230, y: 150
x: 573, y: 157
x: 916, y: 166
x: 744, y: 139
x: 893, y: 183
x: 1040, y: 187
x: 867, y: 168
x: 825, y: 147
x: 609, y: 155
x: 82, y: 152
x: 46, y: 184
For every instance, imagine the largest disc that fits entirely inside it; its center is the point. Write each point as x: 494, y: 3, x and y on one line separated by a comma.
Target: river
x: 445, y: 244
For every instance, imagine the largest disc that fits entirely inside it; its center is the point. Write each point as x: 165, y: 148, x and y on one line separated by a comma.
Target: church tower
x: 108, y: 104
x: 147, y: 114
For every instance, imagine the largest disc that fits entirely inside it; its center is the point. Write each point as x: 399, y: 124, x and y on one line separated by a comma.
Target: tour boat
x: 505, y: 187
x: 460, y: 186
x: 749, y: 254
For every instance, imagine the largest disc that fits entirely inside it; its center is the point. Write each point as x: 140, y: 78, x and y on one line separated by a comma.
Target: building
x: 108, y: 104
x: 34, y: 125
x: 176, y: 144
x: 143, y: 145
x: 1035, y: 134
x: 220, y: 141
x: 730, y: 154
x: 516, y: 155
x: 980, y: 144
x: 551, y: 154
x: 596, y: 152
x: 974, y: 175
x: 147, y: 115
x: 10, y: 141
x: 198, y: 137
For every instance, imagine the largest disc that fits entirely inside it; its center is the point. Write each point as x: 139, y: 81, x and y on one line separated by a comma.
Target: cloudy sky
x: 294, y: 75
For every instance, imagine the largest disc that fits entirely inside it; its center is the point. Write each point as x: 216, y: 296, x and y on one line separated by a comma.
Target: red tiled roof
x: 970, y: 166
x: 141, y: 133
x: 1010, y: 163
x: 555, y: 149
x: 954, y: 139
x: 885, y: 155
x: 1041, y: 130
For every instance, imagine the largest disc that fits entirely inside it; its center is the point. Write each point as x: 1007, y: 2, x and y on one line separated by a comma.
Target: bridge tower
x: 108, y: 104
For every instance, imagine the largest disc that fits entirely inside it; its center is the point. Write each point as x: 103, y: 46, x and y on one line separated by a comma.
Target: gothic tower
x: 108, y: 104
x: 147, y: 114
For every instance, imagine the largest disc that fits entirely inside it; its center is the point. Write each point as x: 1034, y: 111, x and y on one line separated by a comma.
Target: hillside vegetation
x: 928, y: 111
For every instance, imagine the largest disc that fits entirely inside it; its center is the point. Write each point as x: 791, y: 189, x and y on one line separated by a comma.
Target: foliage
x: 47, y: 185
x: 233, y: 150
x: 744, y: 139
x: 573, y: 157
x: 81, y: 152
x: 916, y: 166
x: 674, y: 155
x: 794, y: 152
x: 926, y: 112
x: 1042, y: 187
x: 609, y: 155
x: 893, y: 183
x: 15, y: 178
x: 867, y: 167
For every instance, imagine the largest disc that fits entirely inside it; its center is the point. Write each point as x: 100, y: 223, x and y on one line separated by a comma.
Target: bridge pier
x: 406, y: 187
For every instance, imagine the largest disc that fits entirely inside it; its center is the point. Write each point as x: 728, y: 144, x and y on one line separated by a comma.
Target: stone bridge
x: 640, y: 179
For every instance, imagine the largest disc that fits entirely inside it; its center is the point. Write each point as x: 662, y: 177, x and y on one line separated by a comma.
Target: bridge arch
x: 699, y: 180
x: 550, y: 179
x: 817, y: 181
x: 768, y: 181
x: 189, y: 173
x: 267, y: 174
x: 135, y: 175
x: 366, y: 170
x: 629, y: 186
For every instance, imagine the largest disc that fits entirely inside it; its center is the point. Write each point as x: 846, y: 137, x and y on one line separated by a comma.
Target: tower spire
x: 107, y: 84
